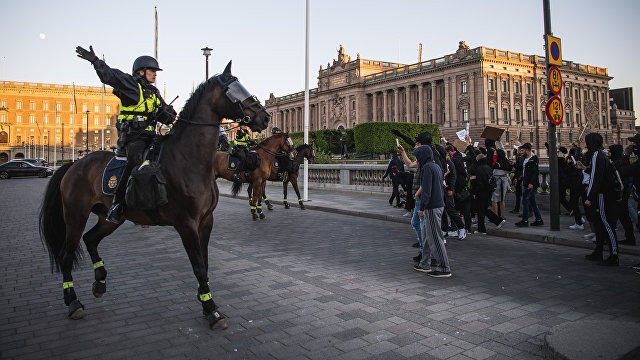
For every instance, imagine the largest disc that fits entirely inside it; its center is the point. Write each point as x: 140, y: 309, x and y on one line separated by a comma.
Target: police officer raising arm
x: 141, y: 107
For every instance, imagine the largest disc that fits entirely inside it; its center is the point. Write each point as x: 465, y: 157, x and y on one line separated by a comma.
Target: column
x: 385, y: 104
x: 484, y: 98
x: 420, y: 104
x: 407, y: 102
x: 447, y: 119
x: 472, y: 98
x: 396, y: 113
x: 511, y: 97
x: 374, y: 115
x: 434, y: 113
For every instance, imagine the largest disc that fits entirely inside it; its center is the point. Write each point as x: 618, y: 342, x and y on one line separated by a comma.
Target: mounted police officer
x: 141, y: 106
x: 286, y: 162
x: 241, y: 148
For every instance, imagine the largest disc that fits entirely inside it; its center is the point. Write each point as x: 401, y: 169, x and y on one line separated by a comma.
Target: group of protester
x: 452, y: 186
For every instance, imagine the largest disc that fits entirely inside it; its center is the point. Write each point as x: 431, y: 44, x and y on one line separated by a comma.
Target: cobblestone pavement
x: 298, y: 285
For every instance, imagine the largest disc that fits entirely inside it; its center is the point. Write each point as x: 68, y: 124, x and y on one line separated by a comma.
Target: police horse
x: 290, y: 176
x: 257, y: 178
x: 74, y: 192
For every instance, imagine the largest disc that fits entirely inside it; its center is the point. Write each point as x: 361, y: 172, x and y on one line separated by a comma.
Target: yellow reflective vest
x: 242, y: 138
x: 140, y: 115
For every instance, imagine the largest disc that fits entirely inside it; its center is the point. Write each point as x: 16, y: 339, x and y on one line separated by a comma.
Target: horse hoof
x: 76, y: 310
x: 99, y: 288
x: 262, y: 216
x: 270, y: 207
x: 217, y: 321
x: 286, y: 206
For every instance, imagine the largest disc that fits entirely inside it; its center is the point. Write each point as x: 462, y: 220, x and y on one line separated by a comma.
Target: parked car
x: 37, y: 162
x: 23, y: 168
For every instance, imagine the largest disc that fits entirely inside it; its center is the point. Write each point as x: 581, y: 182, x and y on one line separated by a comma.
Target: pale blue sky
x: 265, y: 39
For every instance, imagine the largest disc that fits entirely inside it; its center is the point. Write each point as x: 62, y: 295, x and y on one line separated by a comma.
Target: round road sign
x: 554, y: 110
x: 555, y: 80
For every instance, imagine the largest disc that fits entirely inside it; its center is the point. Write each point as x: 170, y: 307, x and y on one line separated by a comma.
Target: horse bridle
x: 288, y: 141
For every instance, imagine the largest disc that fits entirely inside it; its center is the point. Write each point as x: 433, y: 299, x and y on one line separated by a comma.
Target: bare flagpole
x: 305, y: 190
x: 73, y: 126
x: 103, y: 90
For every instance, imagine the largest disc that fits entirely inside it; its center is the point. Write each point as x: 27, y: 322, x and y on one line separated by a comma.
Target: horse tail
x: 235, y: 189
x: 52, y: 226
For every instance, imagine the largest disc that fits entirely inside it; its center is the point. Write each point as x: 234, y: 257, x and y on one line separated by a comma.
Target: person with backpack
x: 602, y: 194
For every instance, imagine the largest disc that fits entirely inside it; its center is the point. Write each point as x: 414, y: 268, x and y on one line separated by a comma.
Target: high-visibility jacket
x: 242, y: 138
x: 141, y: 116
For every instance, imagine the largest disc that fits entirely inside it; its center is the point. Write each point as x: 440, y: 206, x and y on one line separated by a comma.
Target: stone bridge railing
x: 359, y: 177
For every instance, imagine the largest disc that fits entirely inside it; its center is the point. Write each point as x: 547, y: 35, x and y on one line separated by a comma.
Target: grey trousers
x: 433, y: 241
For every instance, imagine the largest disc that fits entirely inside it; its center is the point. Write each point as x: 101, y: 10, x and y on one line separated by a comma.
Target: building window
x: 576, y: 94
x: 463, y: 86
x: 517, y: 115
x: 84, y: 121
x: 32, y: 105
x: 528, y: 88
x: 96, y: 108
x: 504, y: 85
x: 505, y: 116
x: 544, y: 89
x: 604, y: 121
x: 18, y: 139
x: 96, y: 121
x: 559, y: 138
x: 58, y: 120
x: 32, y: 119
x: 491, y: 85
x: 465, y: 115
x: 109, y: 109
x: 578, y: 123
x: 3, y: 104
x: 595, y: 96
x: 3, y: 118
x: 19, y: 119
x: 516, y: 87
x: 506, y: 136
x: 529, y: 116
x: 531, y: 137
x: 45, y: 106
x: 19, y: 105
x: 602, y: 97
x: 45, y: 119
x: 58, y: 106
x: 567, y: 118
x: 586, y: 95
x: 492, y: 114
x: 570, y: 137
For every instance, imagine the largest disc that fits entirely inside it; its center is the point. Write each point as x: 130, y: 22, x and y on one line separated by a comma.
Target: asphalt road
x: 298, y: 285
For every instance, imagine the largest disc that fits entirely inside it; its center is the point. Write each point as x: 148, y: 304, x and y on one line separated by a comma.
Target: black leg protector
x: 99, y: 286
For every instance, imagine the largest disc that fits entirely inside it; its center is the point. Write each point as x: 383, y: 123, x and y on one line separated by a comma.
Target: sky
x: 266, y: 39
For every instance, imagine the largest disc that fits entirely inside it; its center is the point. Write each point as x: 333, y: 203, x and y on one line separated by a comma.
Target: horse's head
x: 238, y: 103
x: 306, y: 151
x: 287, y: 144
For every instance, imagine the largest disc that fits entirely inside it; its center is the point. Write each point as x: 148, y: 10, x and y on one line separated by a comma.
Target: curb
x: 504, y: 233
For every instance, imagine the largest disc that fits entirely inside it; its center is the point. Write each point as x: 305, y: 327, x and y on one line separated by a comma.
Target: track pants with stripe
x: 604, y: 222
x: 433, y: 241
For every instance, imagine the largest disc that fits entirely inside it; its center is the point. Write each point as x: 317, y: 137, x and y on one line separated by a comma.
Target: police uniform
x: 141, y: 107
x: 240, y: 149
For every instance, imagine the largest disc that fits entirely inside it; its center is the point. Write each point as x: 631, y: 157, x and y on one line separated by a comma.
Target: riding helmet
x: 275, y: 130
x: 145, y: 62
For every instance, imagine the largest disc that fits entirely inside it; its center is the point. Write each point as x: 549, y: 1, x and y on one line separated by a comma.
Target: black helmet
x: 275, y: 130
x: 145, y: 62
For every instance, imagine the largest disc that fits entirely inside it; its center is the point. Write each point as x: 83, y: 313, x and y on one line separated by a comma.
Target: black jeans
x: 395, y: 194
x: 465, y: 209
x: 622, y: 210
x: 604, y: 222
x: 451, y: 212
x: 518, y: 197
x: 483, y: 200
x: 575, y: 192
x: 135, y: 150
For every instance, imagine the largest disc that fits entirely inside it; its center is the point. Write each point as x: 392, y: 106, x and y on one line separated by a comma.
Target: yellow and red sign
x: 555, y: 110
x: 555, y: 80
x: 554, y: 50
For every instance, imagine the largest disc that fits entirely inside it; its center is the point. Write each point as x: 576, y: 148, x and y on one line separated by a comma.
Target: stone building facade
x: 36, y: 114
x: 480, y: 86
x: 623, y: 118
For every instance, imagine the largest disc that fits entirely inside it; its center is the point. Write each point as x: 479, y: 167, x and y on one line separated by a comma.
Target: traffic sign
x: 555, y: 80
x: 554, y: 50
x: 554, y: 110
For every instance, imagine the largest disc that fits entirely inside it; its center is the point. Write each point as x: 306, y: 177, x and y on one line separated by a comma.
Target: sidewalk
x: 376, y: 206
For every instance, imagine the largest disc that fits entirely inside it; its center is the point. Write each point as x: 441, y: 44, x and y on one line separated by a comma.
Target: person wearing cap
x: 530, y: 184
x: 141, y: 107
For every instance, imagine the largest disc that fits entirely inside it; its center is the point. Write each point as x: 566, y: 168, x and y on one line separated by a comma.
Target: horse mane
x: 192, y: 103
x: 302, y: 147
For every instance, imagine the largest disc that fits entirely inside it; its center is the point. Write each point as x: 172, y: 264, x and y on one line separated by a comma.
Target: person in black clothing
x: 501, y: 169
x: 517, y: 179
x: 530, y: 184
x: 621, y: 162
x: 563, y: 184
x: 461, y: 192
x: 450, y: 179
x: 480, y: 175
x: 395, y: 168
x: 602, y: 200
x: 574, y: 179
x: 141, y: 106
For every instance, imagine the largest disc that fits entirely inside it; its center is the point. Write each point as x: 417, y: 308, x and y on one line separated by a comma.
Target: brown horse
x: 257, y: 178
x: 303, y: 151
x: 74, y: 192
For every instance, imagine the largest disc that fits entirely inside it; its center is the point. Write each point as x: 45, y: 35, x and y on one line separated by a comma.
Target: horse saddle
x: 232, y: 162
x: 276, y: 163
x: 251, y: 162
x: 111, y: 175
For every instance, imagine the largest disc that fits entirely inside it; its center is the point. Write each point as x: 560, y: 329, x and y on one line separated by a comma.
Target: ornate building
x: 479, y: 87
x: 35, y: 114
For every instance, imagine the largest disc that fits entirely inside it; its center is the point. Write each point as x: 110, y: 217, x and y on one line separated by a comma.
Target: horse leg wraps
x: 68, y: 292
x: 100, y: 271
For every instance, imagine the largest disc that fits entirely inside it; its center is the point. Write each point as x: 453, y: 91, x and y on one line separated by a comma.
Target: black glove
x: 166, y: 115
x: 406, y: 139
x: 88, y: 55
x: 169, y: 108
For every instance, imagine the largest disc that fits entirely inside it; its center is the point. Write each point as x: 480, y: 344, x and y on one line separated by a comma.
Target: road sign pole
x: 554, y: 221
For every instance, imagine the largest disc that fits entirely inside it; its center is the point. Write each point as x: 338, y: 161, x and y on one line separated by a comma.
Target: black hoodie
x: 599, y: 166
x: 432, y: 194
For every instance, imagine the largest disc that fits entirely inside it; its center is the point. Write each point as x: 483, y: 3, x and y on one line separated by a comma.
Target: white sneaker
x: 407, y: 214
x: 502, y: 223
x: 576, y: 227
x: 590, y: 236
x: 452, y: 233
x: 462, y: 234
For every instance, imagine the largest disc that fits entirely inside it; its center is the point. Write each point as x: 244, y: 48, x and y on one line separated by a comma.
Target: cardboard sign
x: 460, y: 145
x: 492, y: 133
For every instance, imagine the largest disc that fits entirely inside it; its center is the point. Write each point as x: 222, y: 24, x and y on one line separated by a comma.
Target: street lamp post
x: 206, y: 51
x: 87, y: 141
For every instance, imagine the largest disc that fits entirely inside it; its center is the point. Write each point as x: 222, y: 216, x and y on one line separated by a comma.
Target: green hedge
x: 376, y: 137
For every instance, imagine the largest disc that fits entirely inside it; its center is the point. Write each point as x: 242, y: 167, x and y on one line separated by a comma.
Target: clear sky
x: 265, y: 39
